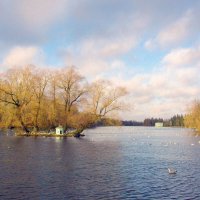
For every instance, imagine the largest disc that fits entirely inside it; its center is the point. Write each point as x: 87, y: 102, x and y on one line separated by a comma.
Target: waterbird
x: 172, y: 171
x: 165, y: 145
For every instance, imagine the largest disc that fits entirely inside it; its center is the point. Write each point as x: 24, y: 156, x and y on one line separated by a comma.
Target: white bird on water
x: 172, y: 171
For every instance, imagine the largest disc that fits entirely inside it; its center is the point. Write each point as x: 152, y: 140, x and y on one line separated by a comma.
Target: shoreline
x: 47, y: 135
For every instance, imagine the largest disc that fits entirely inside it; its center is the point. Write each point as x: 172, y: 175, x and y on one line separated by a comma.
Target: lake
x: 108, y: 163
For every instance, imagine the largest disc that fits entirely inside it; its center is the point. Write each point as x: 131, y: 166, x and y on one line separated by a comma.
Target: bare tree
x: 103, y: 100
x: 71, y: 84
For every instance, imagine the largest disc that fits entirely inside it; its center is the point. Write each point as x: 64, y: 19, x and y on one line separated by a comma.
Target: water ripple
x: 109, y: 163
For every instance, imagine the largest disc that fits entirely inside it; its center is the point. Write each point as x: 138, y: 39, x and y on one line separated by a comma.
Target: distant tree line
x: 107, y: 122
x: 132, y: 123
x: 176, y: 120
x: 152, y: 121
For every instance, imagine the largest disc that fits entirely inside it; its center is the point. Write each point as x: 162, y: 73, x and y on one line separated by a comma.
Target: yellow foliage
x: 192, y: 119
x: 32, y: 98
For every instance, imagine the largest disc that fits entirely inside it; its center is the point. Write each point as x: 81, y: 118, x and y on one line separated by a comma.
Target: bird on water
x: 172, y: 171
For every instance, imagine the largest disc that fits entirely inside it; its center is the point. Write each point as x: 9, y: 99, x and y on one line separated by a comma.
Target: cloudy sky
x: 150, y: 47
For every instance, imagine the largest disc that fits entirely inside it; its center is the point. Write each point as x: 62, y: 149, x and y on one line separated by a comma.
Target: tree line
x: 35, y: 99
x: 176, y: 120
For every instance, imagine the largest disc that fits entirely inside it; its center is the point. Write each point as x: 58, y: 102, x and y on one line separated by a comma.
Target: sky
x: 150, y: 47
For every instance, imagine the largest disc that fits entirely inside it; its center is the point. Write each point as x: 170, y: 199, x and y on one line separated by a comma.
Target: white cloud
x: 92, y: 68
x: 168, y: 90
x: 116, y: 43
x: 117, y: 47
x: 98, y: 56
x: 182, y: 57
x: 174, y: 33
x: 19, y: 56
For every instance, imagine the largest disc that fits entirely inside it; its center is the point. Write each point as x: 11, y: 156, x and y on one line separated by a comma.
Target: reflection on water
x: 109, y: 163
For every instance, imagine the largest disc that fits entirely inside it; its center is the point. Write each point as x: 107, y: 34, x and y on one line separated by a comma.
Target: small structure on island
x: 59, y: 130
x: 159, y: 124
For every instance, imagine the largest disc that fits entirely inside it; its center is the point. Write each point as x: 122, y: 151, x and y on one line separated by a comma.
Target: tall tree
x: 40, y: 81
x: 16, y: 92
x: 103, y: 100
x: 192, y: 119
x: 72, y: 87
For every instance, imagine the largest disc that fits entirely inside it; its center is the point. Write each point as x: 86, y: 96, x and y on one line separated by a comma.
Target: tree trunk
x: 21, y: 122
x: 24, y: 127
x: 36, y: 117
x: 78, y: 132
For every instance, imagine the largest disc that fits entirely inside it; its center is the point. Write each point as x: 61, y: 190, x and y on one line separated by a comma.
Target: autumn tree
x: 53, y: 107
x: 104, y: 98
x: 192, y: 119
x: 16, y: 94
x: 72, y: 87
x: 103, y: 101
x: 40, y: 81
x: 32, y: 99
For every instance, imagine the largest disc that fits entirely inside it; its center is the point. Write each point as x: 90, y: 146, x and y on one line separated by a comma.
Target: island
x: 35, y: 101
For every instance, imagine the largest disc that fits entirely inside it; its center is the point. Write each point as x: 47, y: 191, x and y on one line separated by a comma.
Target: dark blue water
x: 108, y: 163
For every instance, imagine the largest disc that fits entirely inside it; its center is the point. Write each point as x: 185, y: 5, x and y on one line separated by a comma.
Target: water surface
x: 108, y: 163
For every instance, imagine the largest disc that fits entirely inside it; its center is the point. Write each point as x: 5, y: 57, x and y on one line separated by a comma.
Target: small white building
x: 59, y: 130
x: 159, y: 124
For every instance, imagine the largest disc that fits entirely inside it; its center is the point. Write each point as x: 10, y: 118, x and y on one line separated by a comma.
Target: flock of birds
x: 170, y: 170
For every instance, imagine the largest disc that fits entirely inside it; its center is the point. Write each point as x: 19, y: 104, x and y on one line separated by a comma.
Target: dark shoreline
x: 47, y: 135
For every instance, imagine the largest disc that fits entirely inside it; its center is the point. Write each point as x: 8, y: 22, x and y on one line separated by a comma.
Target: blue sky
x: 150, y: 47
